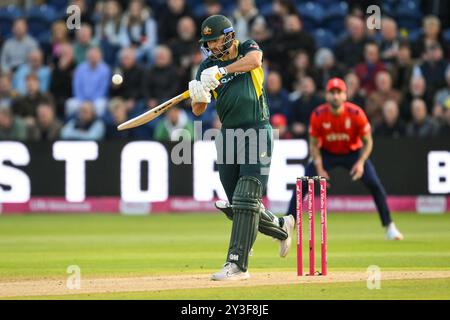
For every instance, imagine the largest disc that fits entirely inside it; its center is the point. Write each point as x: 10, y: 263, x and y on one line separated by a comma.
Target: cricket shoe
x: 392, y: 232
x: 230, y: 272
x: 225, y: 207
x: 288, y: 226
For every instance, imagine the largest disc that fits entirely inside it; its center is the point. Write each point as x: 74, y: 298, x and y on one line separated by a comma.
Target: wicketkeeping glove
x: 209, y: 77
x: 198, y: 93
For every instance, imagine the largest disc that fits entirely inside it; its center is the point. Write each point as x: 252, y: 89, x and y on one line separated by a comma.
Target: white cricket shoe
x: 230, y: 272
x: 392, y: 232
x: 289, y: 226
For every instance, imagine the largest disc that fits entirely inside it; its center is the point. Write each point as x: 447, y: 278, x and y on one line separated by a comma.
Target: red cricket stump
x: 299, y: 201
x: 323, y: 223
x: 311, y: 226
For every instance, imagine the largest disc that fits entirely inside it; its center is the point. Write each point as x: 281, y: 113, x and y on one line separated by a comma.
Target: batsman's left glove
x: 209, y: 77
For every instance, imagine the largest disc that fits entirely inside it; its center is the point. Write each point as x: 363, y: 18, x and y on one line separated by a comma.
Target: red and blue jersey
x: 339, y: 133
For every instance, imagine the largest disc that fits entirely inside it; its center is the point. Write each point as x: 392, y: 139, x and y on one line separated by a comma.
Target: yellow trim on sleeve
x: 258, y: 80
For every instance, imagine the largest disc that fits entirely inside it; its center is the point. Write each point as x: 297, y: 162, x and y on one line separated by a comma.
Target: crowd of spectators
x: 60, y: 86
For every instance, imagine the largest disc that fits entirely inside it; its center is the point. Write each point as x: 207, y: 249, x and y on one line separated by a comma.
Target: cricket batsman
x: 340, y: 136
x: 242, y: 107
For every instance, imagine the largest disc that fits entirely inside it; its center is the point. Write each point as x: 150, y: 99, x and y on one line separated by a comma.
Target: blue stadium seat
x: 324, y: 38
x: 335, y: 16
x: 414, y: 34
x: 446, y: 35
x: 58, y: 5
x: 325, y: 3
x: 408, y: 15
x: 199, y: 11
x: 266, y: 9
x: 312, y: 14
x: 40, y: 19
x: 389, y: 7
x: 7, y: 16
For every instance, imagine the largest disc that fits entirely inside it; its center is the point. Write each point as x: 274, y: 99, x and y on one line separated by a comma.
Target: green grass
x: 43, y: 246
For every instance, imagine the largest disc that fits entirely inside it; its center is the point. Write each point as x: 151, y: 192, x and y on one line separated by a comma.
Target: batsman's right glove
x: 198, y: 93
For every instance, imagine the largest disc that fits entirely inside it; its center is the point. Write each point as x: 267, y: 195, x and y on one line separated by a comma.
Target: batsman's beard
x: 224, y: 50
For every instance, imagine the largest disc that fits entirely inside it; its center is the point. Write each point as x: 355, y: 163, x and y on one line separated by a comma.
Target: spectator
x: 62, y: 78
x: 90, y: 83
x: 288, y: 42
x: 277, y: 96
x: 280, y: 10
x: 140, y: 30
x: 279, y: 124
x: 421, y: 125
x: 417, y: 90
x: 349, y: 50
x: 367, y: 70
x: 389, y: 43
x: 47, y: 126
x: 261, y: 33
x: 15, y: 50
x: 168, y: 20
x: 86, y: 15
x: 444, y: 130
x: 83, y: 43
x: 245, y: 15
x: 7, y: 93
x: 11, y: 127
x: 160, y: 82
x: 25, y: 106
x: 86, y: 126
x: 431, y: 27
x: 301, y: 108
x: 132, y: 74
x: 402, y: 69
x: 186, y: 43
x: 108, y: 31
x: 175, y: 125
x: 211, y: 7
x: 60, y: 37
x: 433, y: 68
x: 354, y: 90
x: 442, y: 97
x: 392, y: 126
x: 117, y: 114
x: 35, y: 65
x: 301, y: 67
x: 383, y: 93
x: 327, y: 67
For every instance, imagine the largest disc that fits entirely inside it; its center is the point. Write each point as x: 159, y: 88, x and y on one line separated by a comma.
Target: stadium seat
x: 58, y: 5
x: 335, y: 15
x: 7, y: 16
x: 446, y: 35
x: 312, y: 15
x: 265, y: 9
x: 324, y: 38
x: 199, y: 11
x: 408, y: 15
x: 413, y: 35
x: 39, y: 19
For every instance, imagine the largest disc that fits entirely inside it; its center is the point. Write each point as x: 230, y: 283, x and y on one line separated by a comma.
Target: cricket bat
x: 153, y: 113
x: 156, y: 111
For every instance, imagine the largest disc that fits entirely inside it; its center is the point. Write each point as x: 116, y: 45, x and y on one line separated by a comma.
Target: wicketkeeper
x: 241, y: 104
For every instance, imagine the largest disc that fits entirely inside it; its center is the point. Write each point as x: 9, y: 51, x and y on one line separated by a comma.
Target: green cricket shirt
x: 241, y: 99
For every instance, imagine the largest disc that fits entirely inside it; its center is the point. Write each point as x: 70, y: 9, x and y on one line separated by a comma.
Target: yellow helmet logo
x: 207, y: 31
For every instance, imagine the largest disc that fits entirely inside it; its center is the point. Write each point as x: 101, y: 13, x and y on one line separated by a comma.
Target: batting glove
x: 209, y: 77
x: 198, y: 93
